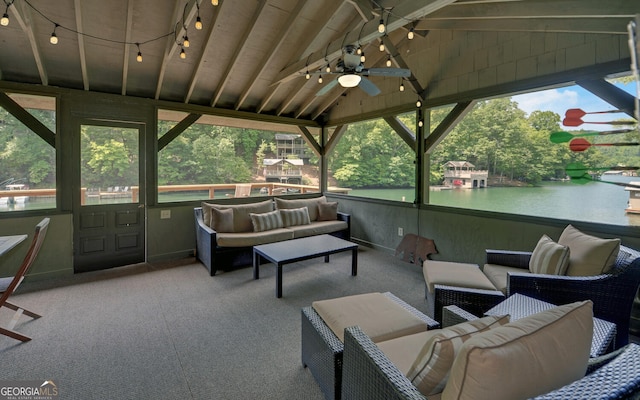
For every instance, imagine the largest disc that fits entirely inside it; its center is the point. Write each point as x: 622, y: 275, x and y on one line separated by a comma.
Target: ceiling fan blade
x: 368, y: 87
x: 393, y: 72
x: 326, y: 88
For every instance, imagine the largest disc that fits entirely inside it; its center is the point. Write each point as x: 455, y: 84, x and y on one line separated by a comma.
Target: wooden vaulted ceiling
x: 251, y: 55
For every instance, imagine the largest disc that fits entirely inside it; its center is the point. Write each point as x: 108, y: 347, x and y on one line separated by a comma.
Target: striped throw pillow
x: 295, y: 216
x: 549, y: 257
x: 430, y: 371
x: 266, y: 221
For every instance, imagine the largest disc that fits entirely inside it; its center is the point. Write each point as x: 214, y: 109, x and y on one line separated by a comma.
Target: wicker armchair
x: 612, y: 293
x: 369, y: 375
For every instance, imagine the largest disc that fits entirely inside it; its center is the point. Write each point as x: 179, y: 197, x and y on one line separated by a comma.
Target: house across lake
x: 463, y: 174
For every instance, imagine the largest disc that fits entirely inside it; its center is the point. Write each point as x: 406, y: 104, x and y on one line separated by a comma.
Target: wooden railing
x: 272, y: 188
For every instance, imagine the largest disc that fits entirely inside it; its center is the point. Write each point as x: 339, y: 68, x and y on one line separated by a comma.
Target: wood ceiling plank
x: 23, y: 16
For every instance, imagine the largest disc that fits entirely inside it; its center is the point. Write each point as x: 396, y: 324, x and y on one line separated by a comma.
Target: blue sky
x: 560, y: 99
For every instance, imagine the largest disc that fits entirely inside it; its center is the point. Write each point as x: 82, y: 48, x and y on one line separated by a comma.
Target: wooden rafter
x: 127, y: 46
x: 81, y: 50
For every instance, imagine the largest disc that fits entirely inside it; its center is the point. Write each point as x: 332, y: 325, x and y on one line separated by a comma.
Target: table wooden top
x: 307, y: 246
x: 9, y: 242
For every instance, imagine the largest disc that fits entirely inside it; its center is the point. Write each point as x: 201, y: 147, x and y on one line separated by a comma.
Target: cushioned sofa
x: 545, y: 355
x: 226, y: 233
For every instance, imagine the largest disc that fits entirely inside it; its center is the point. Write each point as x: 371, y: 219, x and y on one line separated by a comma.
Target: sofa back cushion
x: 328, y: 211
x: 590, y: 255
x: 311, y: 204
x: 241, y: 213
x: 525, y: 358
x: 221, y: 220
x: 549, y: 257
x: 430, y: 370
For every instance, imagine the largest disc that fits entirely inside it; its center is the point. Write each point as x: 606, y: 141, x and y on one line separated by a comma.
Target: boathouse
x: 463, y: 174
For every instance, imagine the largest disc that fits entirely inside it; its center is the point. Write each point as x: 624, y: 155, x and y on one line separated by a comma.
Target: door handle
x: 141, y: 206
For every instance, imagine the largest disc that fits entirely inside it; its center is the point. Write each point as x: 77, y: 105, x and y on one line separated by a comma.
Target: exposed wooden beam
x: 448, y: 123
x: 23, y: 16
x: 242, y: 45
x: 402, y: 130
x: 329, y: 99
x: 177, y: 130
x: 335, y: 138
x: 81, y: 48
x: 311, y: 141
x: 200, y: 63
x: 408, y: 10
x: 127, y: 46
x: 271, y: 53
x: 322, y: 23
x: 568, y: 25
x: 27, y: 119
x: 397, y: 58
x: 188, y: 11
x: 611, y: 94
x: 362, y: 7
x: 295, y: 92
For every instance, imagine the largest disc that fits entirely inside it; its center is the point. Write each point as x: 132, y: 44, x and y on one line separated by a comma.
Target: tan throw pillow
x: 221, y: 220
x: 206, y: 213
x: 525, y: 358
x: 310, y: 203
x: 295, y: 216
x: 328, y: 211
x: 549, y: 257
x: 430, y: 371
x: 266, y: 221
x: 590, y: 255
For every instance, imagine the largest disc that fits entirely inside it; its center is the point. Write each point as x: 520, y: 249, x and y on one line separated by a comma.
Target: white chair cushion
x: 590, y: 255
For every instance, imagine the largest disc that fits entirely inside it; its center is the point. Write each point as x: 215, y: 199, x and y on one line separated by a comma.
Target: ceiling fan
x: 351, y: 73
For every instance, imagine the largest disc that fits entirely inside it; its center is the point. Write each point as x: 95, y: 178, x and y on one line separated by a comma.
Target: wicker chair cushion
x: 499, y: 275
x: 525, y: 358
x: 266, y: 221
x: 221, y: 220
x: 454, y: 274
x: 311, y: 204
x: 376, y: 314
x: 590, y: 255
x: 549, y: 257
x: 295, y: 216
x: 430, y: 370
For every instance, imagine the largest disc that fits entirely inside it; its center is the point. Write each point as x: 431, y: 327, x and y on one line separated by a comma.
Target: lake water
x: 593, y: 202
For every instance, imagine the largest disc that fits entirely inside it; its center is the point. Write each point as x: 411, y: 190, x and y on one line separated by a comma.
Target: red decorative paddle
x: 577, y: 122
x: 580, y: 144
x: 578, y: 113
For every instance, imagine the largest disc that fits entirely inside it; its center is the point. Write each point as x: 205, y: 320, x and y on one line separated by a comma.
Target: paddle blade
x: 577, y: 122
x: 326, y: 88
x: 578, y: 113
x: 369, y: 87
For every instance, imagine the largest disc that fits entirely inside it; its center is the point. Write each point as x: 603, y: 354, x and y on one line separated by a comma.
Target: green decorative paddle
x: 579, y: 173
x: 563, y: 137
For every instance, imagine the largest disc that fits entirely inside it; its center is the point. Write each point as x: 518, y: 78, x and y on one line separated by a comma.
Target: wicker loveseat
x: 220, y: 249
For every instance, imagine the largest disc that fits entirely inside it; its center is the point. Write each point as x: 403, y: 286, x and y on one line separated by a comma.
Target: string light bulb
x: 139, y: 56
x: 54, y: 39
x: 307, y: 75
x: 214, y: 2
x: 401, y: 86
x: 328, y: 69
x: 183, y: 54
x: 186, y: 42
x: 420, y: 123
x: 381, y: 26
x: 418, y: 104
x: 359, y: 50
x: 381, y: 47
x: 320, y: 79
x: 410, y: 35
x: 5, y: 17
x: 198, y: 23
x: 362, y: 57
x: 388, y: 61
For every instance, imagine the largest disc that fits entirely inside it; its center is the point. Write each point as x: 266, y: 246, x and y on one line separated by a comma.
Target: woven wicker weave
x: 322, y: 350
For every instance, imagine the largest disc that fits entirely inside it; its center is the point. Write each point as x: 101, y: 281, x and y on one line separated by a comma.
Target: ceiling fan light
x: 349, y: 80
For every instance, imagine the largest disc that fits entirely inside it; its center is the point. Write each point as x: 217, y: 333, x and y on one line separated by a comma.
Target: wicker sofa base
x: 475, y: 301
x: 322, y: 350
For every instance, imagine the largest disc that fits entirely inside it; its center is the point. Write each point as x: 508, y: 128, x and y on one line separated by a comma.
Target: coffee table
x: 520, y: 306
x: 290, y: 251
